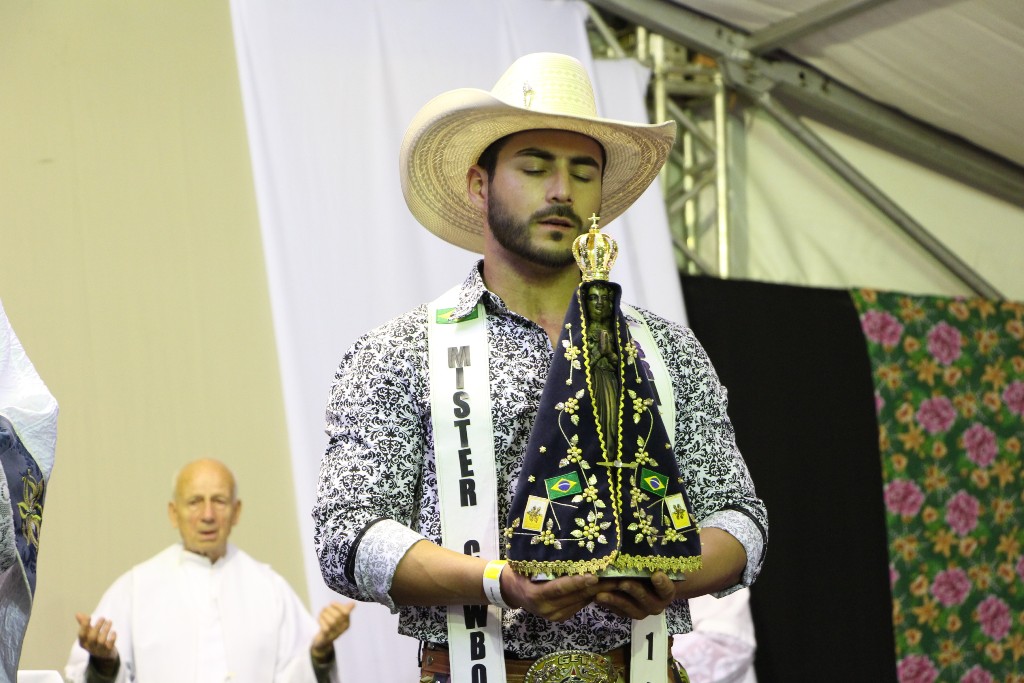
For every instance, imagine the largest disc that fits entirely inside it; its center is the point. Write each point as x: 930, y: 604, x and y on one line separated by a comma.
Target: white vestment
x: 720, y: 649
x: 180, y: 619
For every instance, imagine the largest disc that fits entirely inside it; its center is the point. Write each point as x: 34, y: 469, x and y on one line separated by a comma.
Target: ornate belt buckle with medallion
x: 572, y: 666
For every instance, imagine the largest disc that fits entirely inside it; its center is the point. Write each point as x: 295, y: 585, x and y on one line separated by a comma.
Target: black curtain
x: 801, y: 398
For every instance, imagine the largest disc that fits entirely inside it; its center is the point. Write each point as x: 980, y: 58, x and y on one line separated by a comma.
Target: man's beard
x: 514, y: 234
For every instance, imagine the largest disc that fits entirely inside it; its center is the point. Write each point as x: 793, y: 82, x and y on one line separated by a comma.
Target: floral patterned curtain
x: 949, y: 392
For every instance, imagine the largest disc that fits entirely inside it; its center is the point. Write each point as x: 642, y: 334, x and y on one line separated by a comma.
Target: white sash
x: 649, y: 640
x: 460, y: 405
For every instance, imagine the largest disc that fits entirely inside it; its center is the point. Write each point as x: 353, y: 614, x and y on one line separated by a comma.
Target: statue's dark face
x: 598, y: 300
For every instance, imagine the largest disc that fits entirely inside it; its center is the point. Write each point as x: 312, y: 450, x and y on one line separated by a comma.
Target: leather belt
x: 435, y: 661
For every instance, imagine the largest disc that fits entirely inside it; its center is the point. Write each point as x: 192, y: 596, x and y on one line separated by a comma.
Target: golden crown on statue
x: 595, y: 252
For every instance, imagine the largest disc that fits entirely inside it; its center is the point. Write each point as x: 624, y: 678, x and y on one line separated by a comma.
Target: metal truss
x: 691, y: 90
x: 699, y: 64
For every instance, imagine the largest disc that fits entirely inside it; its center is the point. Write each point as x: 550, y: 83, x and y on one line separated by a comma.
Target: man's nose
x: 560, y: 187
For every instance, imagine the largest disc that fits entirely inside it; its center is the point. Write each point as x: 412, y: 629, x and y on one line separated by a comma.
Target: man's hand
x: 98, y: 640
x: 555, y: 600
x: 637, y: 598
x: 334, y: 621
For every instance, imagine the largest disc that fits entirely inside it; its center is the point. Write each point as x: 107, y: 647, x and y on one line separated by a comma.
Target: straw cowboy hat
x: 541, y: 90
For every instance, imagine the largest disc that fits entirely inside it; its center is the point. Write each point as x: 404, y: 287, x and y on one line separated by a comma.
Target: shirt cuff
x: 322, y: 669
x: 744, y: 530
x: 94, y: 675
x: 380, y: 550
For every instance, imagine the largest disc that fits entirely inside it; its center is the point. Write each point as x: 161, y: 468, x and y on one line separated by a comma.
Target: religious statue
x: 600, y: 489
x: 603, y: 360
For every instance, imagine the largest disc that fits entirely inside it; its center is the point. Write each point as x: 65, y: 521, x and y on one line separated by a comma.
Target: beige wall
x: 131, y: 270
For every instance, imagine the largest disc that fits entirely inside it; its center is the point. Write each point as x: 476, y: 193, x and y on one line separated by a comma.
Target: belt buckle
x: 571, y: 666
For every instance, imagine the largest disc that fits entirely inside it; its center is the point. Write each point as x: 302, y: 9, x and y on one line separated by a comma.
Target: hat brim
x: 450, y: 132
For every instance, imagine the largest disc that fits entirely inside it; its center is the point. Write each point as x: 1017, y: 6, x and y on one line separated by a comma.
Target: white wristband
x: 492, y: 583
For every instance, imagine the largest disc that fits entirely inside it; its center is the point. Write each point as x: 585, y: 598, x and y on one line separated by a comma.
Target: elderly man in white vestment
x: 203, y: 610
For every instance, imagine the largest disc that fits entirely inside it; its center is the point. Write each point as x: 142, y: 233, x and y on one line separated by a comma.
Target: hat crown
x: 548, y: 83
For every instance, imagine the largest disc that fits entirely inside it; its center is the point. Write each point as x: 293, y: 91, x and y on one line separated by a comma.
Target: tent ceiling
x: 955, y: 66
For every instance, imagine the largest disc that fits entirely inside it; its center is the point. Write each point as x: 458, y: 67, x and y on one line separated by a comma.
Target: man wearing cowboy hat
x: 430, y: 414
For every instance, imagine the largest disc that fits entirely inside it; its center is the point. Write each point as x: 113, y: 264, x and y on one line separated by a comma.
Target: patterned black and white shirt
x: 377, y: 490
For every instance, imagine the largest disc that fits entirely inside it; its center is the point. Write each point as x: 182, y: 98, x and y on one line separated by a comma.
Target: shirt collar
x: 187, y: 556
x: 473, y: 291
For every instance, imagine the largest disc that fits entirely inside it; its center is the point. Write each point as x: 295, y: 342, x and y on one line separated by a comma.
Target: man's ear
x: 172, y: 514
x: 476, y: 186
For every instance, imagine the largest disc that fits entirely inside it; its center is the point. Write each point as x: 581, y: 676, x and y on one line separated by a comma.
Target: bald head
x: 188, y: 471
x: 204, y: 508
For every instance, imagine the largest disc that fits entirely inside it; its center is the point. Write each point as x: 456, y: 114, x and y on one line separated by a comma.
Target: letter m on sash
x: 458, y: 356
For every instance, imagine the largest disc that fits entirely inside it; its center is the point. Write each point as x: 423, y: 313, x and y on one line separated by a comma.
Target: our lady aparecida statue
x: 600, y: 489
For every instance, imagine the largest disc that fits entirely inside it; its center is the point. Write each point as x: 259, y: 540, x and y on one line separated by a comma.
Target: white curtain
x: 329, y: 88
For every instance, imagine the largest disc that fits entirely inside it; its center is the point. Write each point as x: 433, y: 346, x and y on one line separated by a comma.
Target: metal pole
x: 721, y: 175
x: 873, y: 194
x: 690, y: 206
x: 658, y: 90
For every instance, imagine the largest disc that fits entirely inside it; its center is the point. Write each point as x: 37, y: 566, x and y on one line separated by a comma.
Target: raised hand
x: 333, y: 620
x: 98, y: 639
